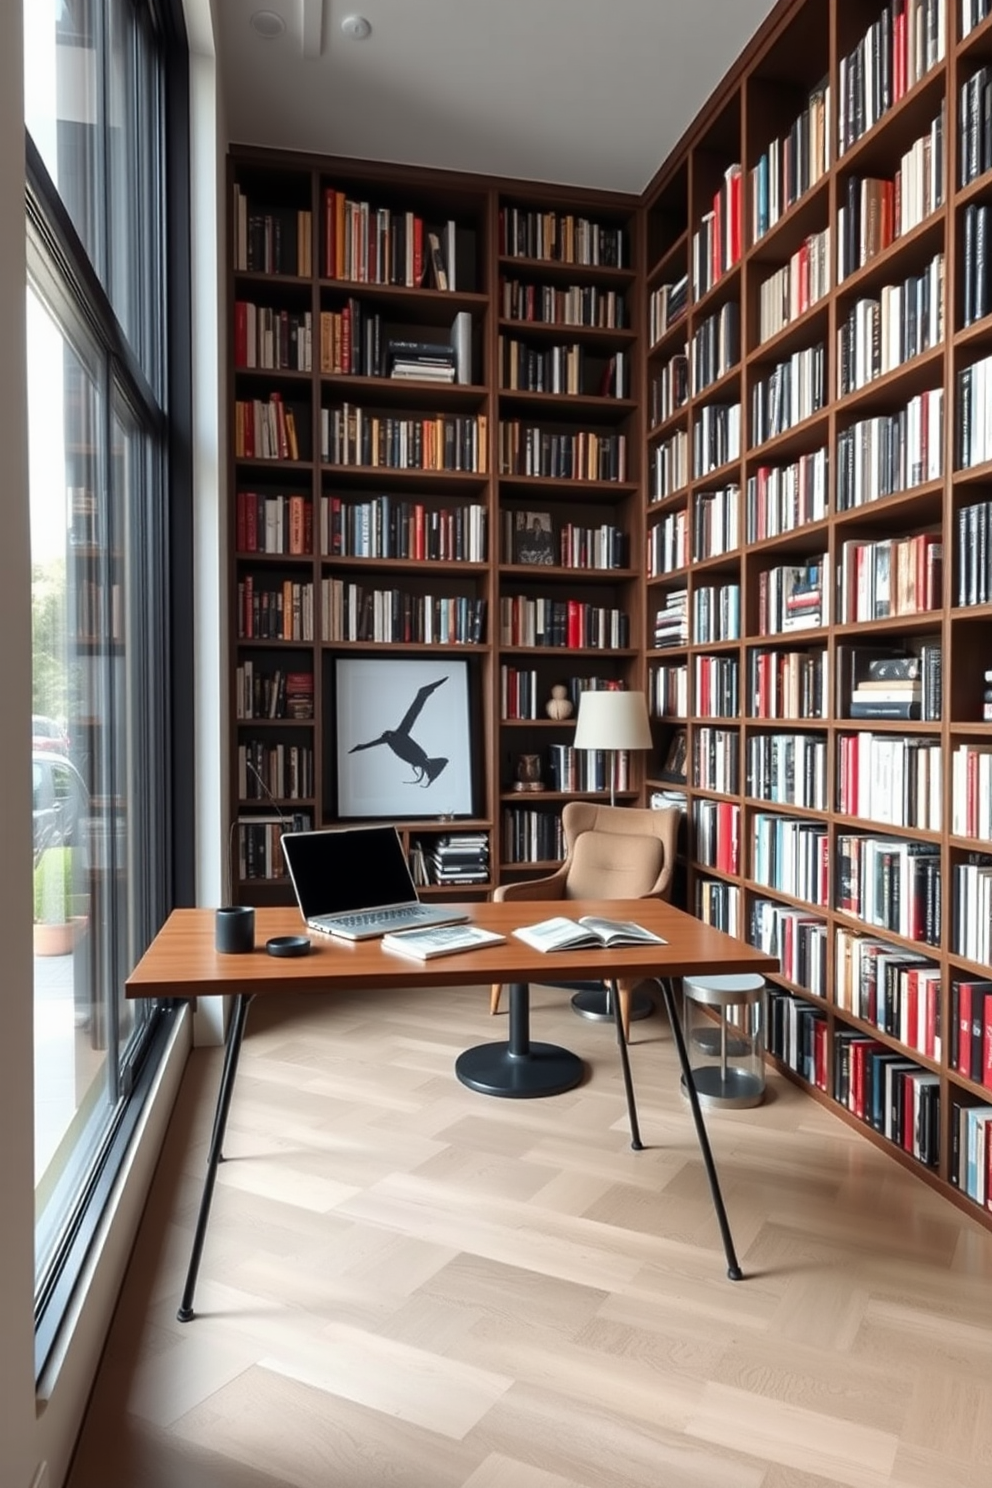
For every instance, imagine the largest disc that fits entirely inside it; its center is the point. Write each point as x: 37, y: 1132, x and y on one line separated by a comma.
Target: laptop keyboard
x: 383, y: 917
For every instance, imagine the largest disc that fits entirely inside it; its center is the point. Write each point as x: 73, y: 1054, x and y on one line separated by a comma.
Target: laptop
x: 355, y: 882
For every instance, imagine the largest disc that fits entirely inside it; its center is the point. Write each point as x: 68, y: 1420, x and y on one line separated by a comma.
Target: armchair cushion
x: 611, y: 865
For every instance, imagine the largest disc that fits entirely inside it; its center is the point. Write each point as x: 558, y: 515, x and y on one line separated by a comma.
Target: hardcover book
x: 561, y: 934
x: 440, y: 940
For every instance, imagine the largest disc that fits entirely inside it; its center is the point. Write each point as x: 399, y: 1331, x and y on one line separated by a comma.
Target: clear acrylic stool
x: 726, y: 1054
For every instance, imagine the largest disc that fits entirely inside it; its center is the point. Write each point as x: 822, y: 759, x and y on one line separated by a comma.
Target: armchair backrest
x: 618, y: 852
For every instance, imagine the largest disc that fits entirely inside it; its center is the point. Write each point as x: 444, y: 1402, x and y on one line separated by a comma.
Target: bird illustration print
x: 399, y: 740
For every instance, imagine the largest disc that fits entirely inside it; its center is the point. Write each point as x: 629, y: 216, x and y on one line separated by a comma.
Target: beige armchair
x: 612, y: 852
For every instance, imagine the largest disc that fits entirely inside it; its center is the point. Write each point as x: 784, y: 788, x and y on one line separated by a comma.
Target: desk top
x: 182, y: 962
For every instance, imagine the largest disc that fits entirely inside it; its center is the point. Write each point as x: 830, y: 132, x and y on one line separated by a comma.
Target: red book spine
x: 241, y: 506
x: 418, y: 251
x: 932, y: 1036
x: 345, y: 362
x: 251, y: 522
x: 735, y: 216
x: 987, y: 1045
x: 910, y: 1032
x: 964, y: 1028
x: 240, y: 333
x: 574, y: 629
x: 820, y: 1053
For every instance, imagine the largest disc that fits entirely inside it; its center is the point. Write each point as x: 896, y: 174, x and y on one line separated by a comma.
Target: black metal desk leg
x: 635, y: 1131
x: 733, y: 1268
x: 234, y: 1036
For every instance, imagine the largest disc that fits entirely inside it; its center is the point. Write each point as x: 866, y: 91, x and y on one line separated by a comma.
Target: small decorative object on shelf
x: 559, y: 705
x: 529, y: 773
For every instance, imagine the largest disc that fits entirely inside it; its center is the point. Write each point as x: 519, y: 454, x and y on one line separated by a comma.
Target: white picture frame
x: 403, y: 738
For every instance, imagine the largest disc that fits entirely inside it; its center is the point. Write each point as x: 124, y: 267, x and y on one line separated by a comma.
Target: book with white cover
x: 440, y: 940
x: 561, y: 934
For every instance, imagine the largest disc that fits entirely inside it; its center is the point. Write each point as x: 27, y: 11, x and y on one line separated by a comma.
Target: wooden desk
x: 182, y: 962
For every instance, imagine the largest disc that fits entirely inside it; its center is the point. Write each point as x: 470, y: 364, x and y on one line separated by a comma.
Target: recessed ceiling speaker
x: 357, y: 27
x: 267, y: 24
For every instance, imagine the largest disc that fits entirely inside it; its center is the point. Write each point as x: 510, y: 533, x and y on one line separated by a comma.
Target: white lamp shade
x: 612, y: 720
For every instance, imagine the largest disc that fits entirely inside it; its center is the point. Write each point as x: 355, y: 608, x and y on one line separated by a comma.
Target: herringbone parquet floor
x: 409, y: 1285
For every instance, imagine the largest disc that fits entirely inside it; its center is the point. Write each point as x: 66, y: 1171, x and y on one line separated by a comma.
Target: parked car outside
x: 48, y: 736
x: 60, y: 802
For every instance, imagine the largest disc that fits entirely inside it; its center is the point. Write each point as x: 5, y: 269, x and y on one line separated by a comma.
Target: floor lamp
x: 610, y: 721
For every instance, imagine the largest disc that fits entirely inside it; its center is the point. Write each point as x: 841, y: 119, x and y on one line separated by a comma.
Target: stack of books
x: 432, y: 361
x: 671, y: 625
x: 893, y: 688
x: 457, y: 858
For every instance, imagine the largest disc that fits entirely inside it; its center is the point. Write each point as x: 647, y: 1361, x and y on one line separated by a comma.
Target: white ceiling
x: 581, y: 92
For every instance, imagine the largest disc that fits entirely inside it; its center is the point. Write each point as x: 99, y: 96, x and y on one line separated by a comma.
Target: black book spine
x: 969, y: 264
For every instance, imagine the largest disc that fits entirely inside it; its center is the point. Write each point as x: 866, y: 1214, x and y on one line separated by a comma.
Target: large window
x: 103, y: 727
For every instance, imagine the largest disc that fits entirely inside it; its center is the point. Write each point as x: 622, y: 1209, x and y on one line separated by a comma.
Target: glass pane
x: 71, y: 607
x: 62, y: 106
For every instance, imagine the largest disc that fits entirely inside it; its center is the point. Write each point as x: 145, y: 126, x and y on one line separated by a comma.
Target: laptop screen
x: 335, y: 872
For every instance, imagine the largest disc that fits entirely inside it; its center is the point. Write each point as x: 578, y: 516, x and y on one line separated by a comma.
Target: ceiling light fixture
x: 356, y: 26
x: 267, y: 24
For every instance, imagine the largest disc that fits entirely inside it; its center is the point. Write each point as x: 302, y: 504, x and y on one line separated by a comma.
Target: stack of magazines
x: 457, y: 858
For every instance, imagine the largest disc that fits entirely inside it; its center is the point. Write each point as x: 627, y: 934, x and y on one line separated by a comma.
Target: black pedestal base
x: 493, y: 1069
x: 596, y: 1003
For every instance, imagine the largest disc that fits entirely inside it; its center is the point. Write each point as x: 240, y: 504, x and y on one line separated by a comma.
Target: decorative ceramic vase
x: 559, y: 705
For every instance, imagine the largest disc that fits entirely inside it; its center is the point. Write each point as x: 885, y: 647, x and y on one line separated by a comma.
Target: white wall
x: 39, y: 1426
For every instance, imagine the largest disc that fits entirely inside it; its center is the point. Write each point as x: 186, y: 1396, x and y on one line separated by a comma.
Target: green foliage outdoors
x: 53, y: 886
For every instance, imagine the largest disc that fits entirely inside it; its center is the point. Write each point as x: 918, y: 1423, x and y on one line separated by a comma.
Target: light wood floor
x: 409, y: 1285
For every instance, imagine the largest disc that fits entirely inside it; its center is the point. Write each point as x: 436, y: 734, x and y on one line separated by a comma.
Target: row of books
x: 898, y: 49
x: 896, y: 989
x: 531, y: 538
x: 561, y: 369
x: 975, y: 126
x: 378, y: 245
x: 269, y: 613
x: 716, y: 437
x: 974, y: 547
x: 718, y: 241
x: 715, y: 346
x: 904, y: 683
x: 350, y: 435
x: 550, y: 304
x: 879, y: 334
x: 788, y: 769
x: 671, y: 622
x: 570, y: 623
x: 582, y: 455
x: 668, y: 543
x: 972, y: 923
x: 893, y: 576
x: 876, y: 457
x: 888, y: 779
x: 971, y: 791
x: 531, y: 836
x: 265, y: 429
x: 799, y: 940
x: 273, y: 523
x: 668, y: 389
x: 716, y: 834
x: 788, y: 684
x: 560, y: 237
x: 451, y: 858
x: 392, y: 527
x: 668, y: 691
x: 971, y: 1029
x: 667, y: 305
x: 356, y: 341
x: 790, y: 166
x: 894, y: 1095
x: 278, y: 769
x: 718, y: 904
x: 716, y: 613
x: 974, y: 414
x: 796, y: 286
x: 797, y: 1036
x: 891, y: 882
x: 269, y: 338
x: 587, y: 769
x: 790, y: 855
x: 793, y: 596
x: 716, y: 522
x: 354, y: 612
x: 716, y: 686
x: 259, y: 838
x: 273, y: 241
x: 970, y: 1167
x: 272, y: 694
x: 793, y: 391
x: 668, y: 466
x: 976, y: 269
x: 780, y: 498
x: 878, y: 210
x: 715, y: 759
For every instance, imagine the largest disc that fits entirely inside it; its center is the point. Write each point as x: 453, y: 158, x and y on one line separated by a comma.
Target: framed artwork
x: 533, y: 538
x: 404, y: 740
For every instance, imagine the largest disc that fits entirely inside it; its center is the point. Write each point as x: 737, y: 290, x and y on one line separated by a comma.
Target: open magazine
x: 561, y: 934
x: 439, y: 940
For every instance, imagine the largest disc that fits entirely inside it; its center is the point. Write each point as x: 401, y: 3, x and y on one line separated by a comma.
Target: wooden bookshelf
x: 771, y: 850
